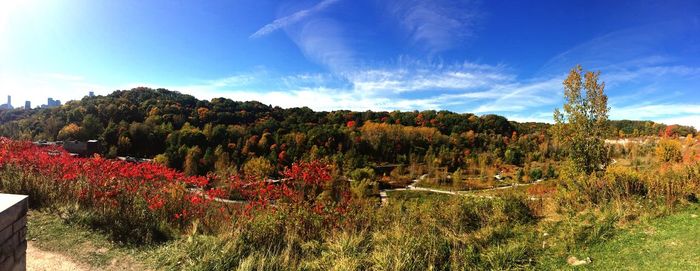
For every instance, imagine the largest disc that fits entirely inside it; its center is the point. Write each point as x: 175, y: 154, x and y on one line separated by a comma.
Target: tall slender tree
x: 582, y: 124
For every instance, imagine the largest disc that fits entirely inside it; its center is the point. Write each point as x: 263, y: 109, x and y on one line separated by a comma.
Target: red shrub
x: 100, y: 183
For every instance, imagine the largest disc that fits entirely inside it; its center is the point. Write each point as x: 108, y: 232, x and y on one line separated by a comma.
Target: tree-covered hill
x: 201, y: 136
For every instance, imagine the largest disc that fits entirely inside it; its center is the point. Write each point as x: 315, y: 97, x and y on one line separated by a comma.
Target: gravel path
x: 38, y: 259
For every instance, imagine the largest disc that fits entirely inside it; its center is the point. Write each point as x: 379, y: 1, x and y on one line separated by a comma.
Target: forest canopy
x: 175, y: 128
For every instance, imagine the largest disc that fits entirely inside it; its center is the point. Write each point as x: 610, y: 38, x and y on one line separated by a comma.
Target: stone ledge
x: 13, y: 232
x: 12, y: 207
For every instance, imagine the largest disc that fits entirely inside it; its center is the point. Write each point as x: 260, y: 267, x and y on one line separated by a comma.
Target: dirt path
x: 385, y: 197
x: 38, y: 259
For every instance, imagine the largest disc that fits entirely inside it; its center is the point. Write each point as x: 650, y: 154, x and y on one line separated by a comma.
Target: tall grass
x: 439, y: 235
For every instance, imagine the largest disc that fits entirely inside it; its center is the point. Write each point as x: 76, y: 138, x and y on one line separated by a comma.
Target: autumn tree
x: 582, y: 124
x: 669, y: 150
x: 52, y: 125
x: 70, y: 132
x: 258, y: 167
x: 689, y: 140
x: 223, y: 160
x: 123, y: 145
x: 192, y: 158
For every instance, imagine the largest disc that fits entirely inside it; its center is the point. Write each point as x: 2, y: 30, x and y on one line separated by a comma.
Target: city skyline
x: 50, y: 102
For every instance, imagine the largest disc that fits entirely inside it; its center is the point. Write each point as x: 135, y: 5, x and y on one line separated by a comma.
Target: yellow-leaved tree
x: 582, y: 124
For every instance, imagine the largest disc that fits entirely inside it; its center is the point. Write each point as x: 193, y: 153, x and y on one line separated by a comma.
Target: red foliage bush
x: 300, y: 189
x: 135, y: 192
x: 135, y: 199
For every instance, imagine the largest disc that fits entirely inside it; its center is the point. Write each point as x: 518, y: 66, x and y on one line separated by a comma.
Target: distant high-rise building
x: 51, y: 103
x: 91, y: 94
x: 8, y: 105
x: 27, y: 105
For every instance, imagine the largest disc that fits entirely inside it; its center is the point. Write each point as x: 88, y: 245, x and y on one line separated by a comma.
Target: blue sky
x: 503, y: 57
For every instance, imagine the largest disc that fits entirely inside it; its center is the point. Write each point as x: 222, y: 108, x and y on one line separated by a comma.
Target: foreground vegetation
x: 323, y: 211
x: 663, y: 243
x: 424, y: 231
x: 667, y: 243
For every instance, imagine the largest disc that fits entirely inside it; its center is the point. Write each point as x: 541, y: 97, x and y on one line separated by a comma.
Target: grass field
x: 667, y: 243
x: 49, y: 232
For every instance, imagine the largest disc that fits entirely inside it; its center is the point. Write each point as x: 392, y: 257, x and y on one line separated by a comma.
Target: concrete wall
x: 13, y: 232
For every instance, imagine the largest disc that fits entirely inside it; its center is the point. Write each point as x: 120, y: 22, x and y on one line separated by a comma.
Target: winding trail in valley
x: 384, y: 196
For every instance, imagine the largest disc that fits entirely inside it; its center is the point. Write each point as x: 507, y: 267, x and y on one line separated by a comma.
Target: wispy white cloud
x: 436, y: 24
x: 235, y: 80
x: 410, y: 85
x: 323, y: 41
x: 689, y: 120
x: 291, y: 19
x: 669, y: 113
x: 312, y: 80
x: 248, y: 78
x: 645, y: 77
x: 634, y: 47
x: 326, y: 99
x: 655, y: 110
x: 519, y: 97
x: 630, y: 74
x: 410, y: 76
x: 544, y: 117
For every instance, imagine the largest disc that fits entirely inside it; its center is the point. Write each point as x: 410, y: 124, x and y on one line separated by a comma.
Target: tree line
x: 221, y: 135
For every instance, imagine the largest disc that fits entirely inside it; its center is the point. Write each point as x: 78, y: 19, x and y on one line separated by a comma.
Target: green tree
x: 192, y: 158
x: 124, y: 145
x: 258, y: 167
x: 208, y: 159
x: 513, y: 156
x: 457, y: 179
x: 519, y: 174
x: 91, y: 126
x: 161, y: 159
x: 112, y: 153
x: 550, y: 172
x: 535, y: 174
x: 223, y: 161
x: 52, y: 126
x: 582, y: 124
